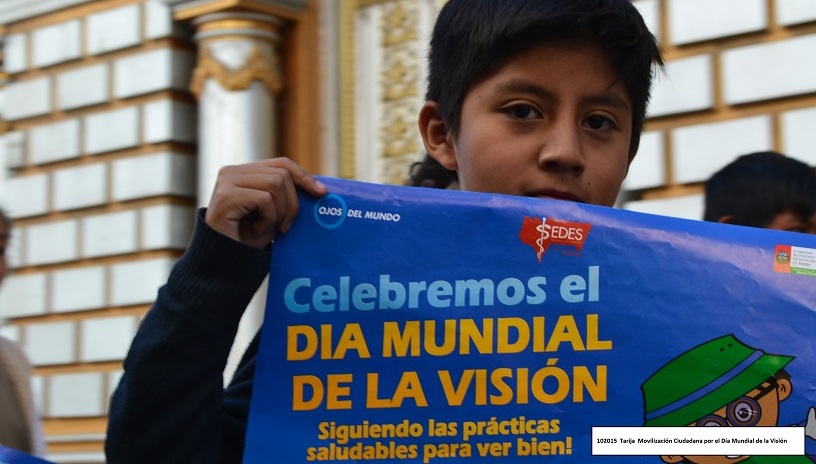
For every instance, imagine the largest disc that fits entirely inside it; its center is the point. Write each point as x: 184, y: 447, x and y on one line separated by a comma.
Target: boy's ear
x: 436, y: 136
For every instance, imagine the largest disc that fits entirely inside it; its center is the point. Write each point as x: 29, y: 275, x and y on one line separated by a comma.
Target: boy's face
x: 552, y: 123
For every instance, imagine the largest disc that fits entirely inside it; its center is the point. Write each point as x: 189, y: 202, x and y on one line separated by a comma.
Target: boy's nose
x: 561, y: 150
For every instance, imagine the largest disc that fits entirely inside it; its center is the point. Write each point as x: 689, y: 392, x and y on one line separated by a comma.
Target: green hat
x: 704, y: 379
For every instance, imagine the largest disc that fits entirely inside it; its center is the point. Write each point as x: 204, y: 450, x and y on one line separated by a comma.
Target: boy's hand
x: 252, y: 201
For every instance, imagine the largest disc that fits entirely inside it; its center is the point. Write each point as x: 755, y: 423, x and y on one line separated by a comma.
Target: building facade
x: 117, y: 115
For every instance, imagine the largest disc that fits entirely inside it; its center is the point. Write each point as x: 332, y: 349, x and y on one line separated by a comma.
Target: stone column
x: 236, y: 82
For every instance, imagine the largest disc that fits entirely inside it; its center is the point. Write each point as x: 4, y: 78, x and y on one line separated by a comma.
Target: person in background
x: 429, y: 173
x: 763, y: 189
x: 20, y: 426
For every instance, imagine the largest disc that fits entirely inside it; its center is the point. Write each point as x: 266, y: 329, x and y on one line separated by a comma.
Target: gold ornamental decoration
x: 257, y: 68
x: 399, y: 80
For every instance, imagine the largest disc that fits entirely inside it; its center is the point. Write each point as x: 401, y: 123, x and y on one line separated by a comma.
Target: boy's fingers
x: 289, y: 210
x: 280, y: 177
x: 251, y: 201
x: 262, y: 229
x: 300, y: 176
x: 278, y: 193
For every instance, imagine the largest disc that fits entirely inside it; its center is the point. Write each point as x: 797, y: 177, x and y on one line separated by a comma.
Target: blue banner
x: 412, y: 325
x: 12, y: 456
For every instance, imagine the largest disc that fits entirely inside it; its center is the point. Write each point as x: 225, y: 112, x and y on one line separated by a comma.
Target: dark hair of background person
x: 756, y: 187
x: 429, y: 173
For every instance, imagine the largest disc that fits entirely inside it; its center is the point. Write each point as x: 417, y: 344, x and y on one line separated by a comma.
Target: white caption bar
x: 698, y: 441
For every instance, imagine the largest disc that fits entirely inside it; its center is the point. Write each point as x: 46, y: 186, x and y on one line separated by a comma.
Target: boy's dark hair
x: 474, y: 38
x: 756, y: 187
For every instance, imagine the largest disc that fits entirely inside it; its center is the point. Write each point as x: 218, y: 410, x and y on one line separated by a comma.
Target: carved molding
x: 348, y: 78
x: 398, y: 84
x: 399, y: 23
x: 400, y: 80
x: 257, y: 68
x: 284, y: 9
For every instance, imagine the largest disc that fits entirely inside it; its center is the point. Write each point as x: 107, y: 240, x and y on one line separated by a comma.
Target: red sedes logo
x: 540, y: 233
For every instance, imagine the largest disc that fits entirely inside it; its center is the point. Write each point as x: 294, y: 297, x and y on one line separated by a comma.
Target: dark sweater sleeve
x: 170, y: 405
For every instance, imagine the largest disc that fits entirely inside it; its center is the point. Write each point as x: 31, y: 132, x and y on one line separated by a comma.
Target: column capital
x: 256, y: 68
x: 191, y: 9
x: 236, y: 24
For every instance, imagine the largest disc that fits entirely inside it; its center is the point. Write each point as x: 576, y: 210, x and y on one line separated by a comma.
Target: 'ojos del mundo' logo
x: 330, y: 211
x: 542, y: 232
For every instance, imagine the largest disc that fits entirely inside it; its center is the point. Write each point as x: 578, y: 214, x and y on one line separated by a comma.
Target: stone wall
x: 739, y: 79
x: 99, y: 146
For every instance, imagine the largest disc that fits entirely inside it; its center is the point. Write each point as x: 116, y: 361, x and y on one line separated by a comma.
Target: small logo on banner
x: 542, y: 232
x: 330, y: 211
x: 782, y: 256
x: 791, y: 259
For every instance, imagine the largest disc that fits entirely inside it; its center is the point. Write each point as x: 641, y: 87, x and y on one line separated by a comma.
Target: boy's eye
x: 597, y: 122
x: 523, y: 112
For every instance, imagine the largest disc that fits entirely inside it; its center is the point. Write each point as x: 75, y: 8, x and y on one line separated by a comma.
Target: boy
x: 542, y: 98
x: 763, y: 189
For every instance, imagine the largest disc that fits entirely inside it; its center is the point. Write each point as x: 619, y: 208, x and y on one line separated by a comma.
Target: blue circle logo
x: 330, y: 211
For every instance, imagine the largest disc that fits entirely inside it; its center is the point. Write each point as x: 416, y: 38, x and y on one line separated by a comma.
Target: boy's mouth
x: 554, y: 194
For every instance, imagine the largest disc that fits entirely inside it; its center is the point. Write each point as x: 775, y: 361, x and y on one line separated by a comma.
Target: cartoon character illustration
x: 723, y: 382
